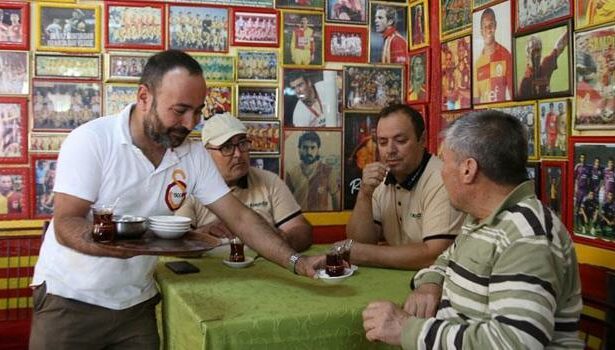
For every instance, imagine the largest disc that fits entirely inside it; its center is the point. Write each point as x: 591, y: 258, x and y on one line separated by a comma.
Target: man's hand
x: 213, y: 233
x: 307, y: 265
x: 383, y: 321
x: 373, y: 175
x: 423, y: 302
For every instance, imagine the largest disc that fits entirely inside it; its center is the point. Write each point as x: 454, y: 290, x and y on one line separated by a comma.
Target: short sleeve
x: 210, y: 185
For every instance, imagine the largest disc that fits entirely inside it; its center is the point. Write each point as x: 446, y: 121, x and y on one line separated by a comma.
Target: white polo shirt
x: 99, y: 163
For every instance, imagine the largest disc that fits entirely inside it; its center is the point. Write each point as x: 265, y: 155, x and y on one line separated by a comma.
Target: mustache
x: 179, y: 130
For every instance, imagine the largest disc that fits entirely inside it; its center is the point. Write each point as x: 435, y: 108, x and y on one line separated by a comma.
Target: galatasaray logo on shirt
x: 176, y: 190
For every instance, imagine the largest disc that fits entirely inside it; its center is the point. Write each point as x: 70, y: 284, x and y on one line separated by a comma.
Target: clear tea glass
x: 334, y: 265
x: 236, y: 251
x: 104, y: 228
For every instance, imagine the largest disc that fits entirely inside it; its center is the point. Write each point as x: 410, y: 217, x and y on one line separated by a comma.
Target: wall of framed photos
x: 324, y: 68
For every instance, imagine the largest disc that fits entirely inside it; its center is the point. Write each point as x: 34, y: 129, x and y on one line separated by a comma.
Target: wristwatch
x: 292, y: 262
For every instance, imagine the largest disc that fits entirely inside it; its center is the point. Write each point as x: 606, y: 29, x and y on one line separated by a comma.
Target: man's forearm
x: 361, y: 226
x: 411, y: 256
x: 298, y: 237
x: 76, y: 233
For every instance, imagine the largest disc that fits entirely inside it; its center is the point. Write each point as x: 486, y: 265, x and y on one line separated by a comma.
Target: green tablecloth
x: 266, y: 307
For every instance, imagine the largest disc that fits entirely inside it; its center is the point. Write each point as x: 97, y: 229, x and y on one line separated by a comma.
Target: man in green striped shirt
x: 510, y: 280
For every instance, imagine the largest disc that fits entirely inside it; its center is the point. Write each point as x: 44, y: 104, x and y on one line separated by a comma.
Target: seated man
x: 401, y: 199
x: 510, y: 280
x: 225, y: 138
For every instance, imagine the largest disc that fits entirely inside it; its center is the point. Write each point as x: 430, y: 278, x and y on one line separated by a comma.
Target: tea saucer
x: 322, y: 274
x: 239, y: 265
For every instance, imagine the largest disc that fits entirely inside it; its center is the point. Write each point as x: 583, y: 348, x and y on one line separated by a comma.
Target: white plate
x: 168, y: 234
x: 328, y: 279
x: 170, y: 219
x: 239, y: 265
x: 170, y: 227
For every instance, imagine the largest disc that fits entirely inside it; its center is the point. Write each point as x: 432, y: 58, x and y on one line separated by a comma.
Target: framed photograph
x: 543, y: 65
x: 345, y: 44
x: 419, y: 24
x: 360, y: 149
x: 216, y: 68
x: 15, y: 72
x: 311, y: 98
x: 456, y: 74
x: 67, y: 27
x: 118, y: 96
x: 266, y: 163
x: 526, y: 113
x: 532, y: 15
x: 66, y: 66
x: 388, y: 34
x: 302, y: 38
x: 455, y: 18
x: 15, y: 20
x: 492, y: 64
x: 476, y: 4
x: 446, y: 118
x: 64, y: 105
x: 593, y: 185
x: 255, y: 27
x: 257, y: 102
x: 589, y: 13
x: 265, y: 136
x: 533, y: 173
x: 198, y: 28
x: 418, y: 76
x: 594, y: 69
x: 313, y: 168
x: 14, y: 195
x: 135, y: 25
x: 220, y: 98
x: 44, y: 176
x: 257, y: 65
x: 554, y: 194
x: 125, y: 66
x: 360, y: 81
x: 43, y: 142
x: 13, y: 130
x: 346, y: 11
x: 316, y: 5
x: 554, y: 127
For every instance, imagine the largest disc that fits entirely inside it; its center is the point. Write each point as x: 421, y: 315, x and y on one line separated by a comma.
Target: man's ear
x: 469, y: 170
x: 143, y: 97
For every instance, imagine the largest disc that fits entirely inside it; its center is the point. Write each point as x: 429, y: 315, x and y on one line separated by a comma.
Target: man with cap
x: 224, y: 136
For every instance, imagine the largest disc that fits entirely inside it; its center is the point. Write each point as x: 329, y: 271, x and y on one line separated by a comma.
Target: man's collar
x: 389, y: 31
x: 411, y: 179
x: 242, y: 183
x: 524, y: 190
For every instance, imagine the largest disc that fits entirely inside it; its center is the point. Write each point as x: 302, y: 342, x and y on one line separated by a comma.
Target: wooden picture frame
x: 554, y: 192
x: 125, y: 66
x: 388, y: 33
x: 266, y: 163
x: 265, y: 136
x: 67, y: 27
x: 257, y: 102
x: 257, y: 65
x: 118, y: 96
x: 15, y: 73
x: 209, y: 34
x: 62, y: 105
x: 527, y: 114
x: 313, y: 5
x: 346, y: 44
x: 43, y: 178
x: 419, y: 65
x: 389, y: 79
x: 455, y: 18
x: 44, y: 142
x: 14, y: 136
x: 555, y: 79
x: 529, y: 16
x: 322, y: 195
x: 67, y: 66
x: 346, y: 12
x: 587, y: 226
x: 135, y: 25
x: 554, y: 128
x: 14, y: 193
x: 456, y: 88
x: 306, y: 50
x: 216, y: 68
x: 16, y: 18
x: 478, y: 4
x: 595, y: 103
x: 591, y: 14
x: 492, y: 61
x: 255, y: 27
x: 418, y: 27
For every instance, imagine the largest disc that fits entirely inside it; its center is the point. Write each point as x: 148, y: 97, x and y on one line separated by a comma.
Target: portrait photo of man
x: 388, y: 34
x: 302, y: 38
x: 311, y: 98
x: 419, y: 26
x: 417, y: 77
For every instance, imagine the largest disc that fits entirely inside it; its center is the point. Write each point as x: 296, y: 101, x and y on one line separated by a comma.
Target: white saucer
x: 354, y: 268
x: 239, y: 265
x: 328, y: 279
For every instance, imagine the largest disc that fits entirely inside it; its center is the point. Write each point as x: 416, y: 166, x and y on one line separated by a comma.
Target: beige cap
x: 220, y: 128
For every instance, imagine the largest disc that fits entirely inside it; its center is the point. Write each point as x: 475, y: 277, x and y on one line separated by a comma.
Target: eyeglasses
x: 227, y: 149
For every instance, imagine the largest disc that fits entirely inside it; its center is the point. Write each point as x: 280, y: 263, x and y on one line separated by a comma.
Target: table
x: 266, y: 307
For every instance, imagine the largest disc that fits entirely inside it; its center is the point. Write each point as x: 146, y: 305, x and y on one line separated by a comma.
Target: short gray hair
x: 496, y: 140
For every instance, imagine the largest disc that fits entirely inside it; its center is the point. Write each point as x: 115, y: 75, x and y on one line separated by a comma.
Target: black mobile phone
x: 181, y: 267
